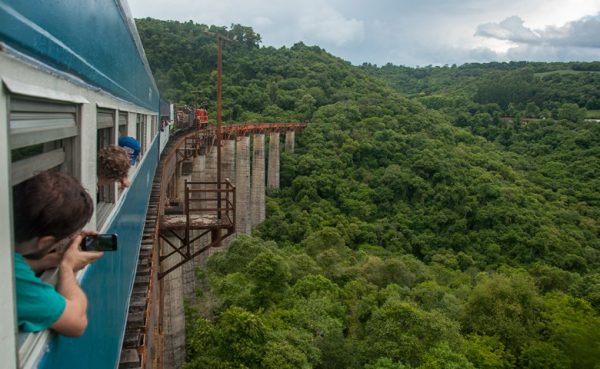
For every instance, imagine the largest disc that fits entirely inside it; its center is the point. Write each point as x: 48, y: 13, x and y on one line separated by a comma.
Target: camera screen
x: 101, y: 242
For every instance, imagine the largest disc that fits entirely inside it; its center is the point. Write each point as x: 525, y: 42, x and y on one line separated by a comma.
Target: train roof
x: 95, y: 41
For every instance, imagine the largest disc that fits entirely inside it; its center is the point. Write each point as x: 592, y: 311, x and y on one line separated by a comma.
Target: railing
x: 208, y: 207
x: 245, y: 128
x: 224, y: 194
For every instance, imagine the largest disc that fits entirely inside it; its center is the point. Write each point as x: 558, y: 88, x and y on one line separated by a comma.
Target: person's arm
x: 73, y: 320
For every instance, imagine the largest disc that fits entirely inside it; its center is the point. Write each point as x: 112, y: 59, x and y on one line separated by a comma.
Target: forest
x: 430, y: 218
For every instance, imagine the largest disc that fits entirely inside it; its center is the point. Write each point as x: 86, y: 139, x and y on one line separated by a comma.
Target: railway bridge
x: 209, y: 186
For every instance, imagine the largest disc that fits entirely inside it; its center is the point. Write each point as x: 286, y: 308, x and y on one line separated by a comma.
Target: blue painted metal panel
x: 92, y: 39
x: 108, y: 284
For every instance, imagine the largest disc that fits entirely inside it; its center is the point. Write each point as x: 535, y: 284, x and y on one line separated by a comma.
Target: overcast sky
x: 417, y: 32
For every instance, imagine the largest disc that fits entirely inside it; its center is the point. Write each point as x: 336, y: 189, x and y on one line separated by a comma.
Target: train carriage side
x: 74, y: 79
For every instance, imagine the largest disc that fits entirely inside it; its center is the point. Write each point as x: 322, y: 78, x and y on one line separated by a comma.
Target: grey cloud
x: 580, y: 33
x: 329, y: 26
x: 398, y: 31
x: 511, y: 28
x: 583, y: 33
x: 552, y: 53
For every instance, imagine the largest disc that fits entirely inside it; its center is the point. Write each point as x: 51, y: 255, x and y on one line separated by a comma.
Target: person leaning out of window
x: 50, y: 211
x: 132, y: 146
x: 113, y: 166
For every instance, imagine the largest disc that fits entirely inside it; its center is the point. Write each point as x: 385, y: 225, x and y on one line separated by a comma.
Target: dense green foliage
x: 545, y: 85
x: 402, y: 236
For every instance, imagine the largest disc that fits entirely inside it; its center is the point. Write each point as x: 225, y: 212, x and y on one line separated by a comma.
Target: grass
x: 593, y: 114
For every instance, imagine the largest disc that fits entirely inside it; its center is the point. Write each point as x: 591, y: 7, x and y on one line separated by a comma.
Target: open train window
x: 42, y: 136
x: 106, y: 196
x: 153, y: 127
x: 123, y: 117
x: 140, y: 132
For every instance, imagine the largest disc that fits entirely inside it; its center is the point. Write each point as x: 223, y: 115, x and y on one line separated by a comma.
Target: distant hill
x: 519, y: 83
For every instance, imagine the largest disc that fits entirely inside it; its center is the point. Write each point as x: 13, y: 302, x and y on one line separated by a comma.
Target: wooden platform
x: 197, y: 221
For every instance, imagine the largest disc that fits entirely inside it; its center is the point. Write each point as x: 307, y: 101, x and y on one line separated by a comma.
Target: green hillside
x: 402, y: 236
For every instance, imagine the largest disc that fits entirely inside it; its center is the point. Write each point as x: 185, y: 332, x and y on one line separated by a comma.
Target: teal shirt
x: 39, y: 305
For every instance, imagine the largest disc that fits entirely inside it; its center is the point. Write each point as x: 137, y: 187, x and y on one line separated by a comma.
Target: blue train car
x: 75, y: 78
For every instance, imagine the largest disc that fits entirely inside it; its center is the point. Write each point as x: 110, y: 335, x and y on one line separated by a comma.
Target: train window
x: 123, y: 131
x: 105, y: 121
x: 41, y: 136
x: 140, y: 133
x: 153, y: 127
x: 123, y: 123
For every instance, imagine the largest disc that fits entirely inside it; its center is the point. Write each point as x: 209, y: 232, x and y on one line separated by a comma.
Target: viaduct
x: 209, y: 187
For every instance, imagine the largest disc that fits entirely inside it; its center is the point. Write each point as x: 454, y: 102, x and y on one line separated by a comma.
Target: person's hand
x: 124, y: 182
x: 76, y: 259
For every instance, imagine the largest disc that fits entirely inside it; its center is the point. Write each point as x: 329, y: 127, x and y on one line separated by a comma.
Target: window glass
x: 42, y: 136
x: 123, y: 123
x: 105, y: 121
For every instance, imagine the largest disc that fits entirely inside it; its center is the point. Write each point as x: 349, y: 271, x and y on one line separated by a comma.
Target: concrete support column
x: 273, y: 174
x: 228, y: 172
x: 242, y: 185
x: 210, y: 172
x: 257, y: 191
x: 188, y: 275
x: 211, y: 176
x: 228, y: 160
x: 179, y: 181
x: 290, y: 141
x: 173, y: 313
x: 198, y: 172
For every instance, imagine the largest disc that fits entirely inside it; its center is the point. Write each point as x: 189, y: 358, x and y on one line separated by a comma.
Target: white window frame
x: 107, y: 195
x: 141, y: 132
x: 123, y: 122
x: 153, y: 127
x: 25, y: 130
x: 8, y: 323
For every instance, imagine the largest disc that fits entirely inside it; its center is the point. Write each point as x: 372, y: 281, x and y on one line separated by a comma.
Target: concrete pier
x: 188, y: 277
x: 242, y: 185
x: 257, y: 187
x: 173, y: 313
x: 273, y: 174
x: 228, y: 172
x: 210, y: 175
x: 228, y: 160
x: 290, y: 141
x: 189, y: 269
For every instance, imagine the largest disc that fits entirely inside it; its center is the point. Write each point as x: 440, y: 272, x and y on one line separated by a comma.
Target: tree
x: 237, y: 340
x: 572, y: 326
x: 572, y: 112
x: 306, y: 106
x: 402, y: 332
x: 442, y: 357
x: 506, y: 306
x: 487, y: 352
x: 542, y: 355
x: 269, y: 274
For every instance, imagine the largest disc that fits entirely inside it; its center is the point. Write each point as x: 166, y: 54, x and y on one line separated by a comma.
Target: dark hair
x: 113, y: 162
x: 50, y: 204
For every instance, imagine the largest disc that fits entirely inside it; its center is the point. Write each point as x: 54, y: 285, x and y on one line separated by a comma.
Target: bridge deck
x: 196, y: 221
